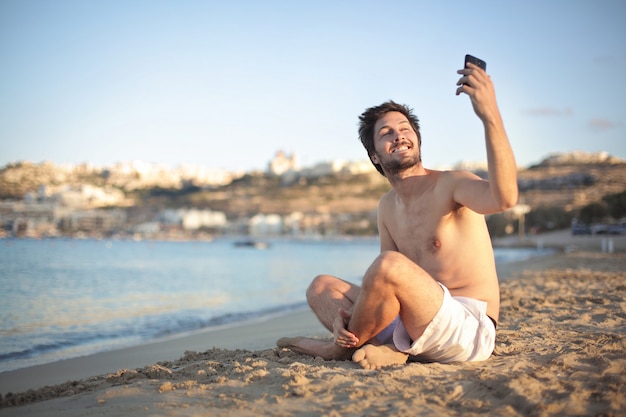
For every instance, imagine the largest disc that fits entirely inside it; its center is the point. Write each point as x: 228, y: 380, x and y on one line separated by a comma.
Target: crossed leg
x: 393, y: 285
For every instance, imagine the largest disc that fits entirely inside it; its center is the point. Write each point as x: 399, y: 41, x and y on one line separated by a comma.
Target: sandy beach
x: 560, y: 350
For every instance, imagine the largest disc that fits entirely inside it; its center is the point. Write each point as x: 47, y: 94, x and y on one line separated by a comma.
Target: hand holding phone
x: 476, y: 61
x: 480, y: 92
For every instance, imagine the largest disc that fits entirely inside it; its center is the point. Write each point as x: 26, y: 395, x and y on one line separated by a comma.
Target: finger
x: 342, y: 337
x: 462, y: 89
x: 348, y: 337
x: 345, y: 343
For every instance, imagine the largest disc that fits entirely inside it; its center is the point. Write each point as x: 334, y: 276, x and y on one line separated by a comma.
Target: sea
x: 65, y: 298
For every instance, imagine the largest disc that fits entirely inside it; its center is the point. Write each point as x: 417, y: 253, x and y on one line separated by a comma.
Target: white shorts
x: 460, y: 331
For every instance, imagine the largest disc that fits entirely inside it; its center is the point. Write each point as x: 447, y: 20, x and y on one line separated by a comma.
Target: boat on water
x: 255, y: 244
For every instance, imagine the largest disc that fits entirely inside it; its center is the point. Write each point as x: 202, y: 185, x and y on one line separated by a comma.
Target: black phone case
x: 476, y: 61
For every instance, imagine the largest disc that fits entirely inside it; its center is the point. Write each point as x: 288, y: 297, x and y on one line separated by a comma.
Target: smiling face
x: 396, y: 144
x: 371, y: 121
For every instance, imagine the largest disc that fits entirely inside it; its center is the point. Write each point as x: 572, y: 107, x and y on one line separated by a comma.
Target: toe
x: 358, y: 355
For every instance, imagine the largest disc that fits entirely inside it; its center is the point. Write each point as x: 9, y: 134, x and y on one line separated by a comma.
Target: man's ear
x: 374, y: 159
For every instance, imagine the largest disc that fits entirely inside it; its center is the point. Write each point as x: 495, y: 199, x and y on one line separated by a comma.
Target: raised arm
x: 500, y: 191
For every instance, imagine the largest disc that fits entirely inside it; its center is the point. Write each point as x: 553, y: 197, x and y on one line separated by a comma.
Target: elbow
x: 505, y: 205
x: 509, y: 199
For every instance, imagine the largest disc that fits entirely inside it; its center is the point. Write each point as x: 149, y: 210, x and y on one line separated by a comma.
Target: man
x: 433, y: 292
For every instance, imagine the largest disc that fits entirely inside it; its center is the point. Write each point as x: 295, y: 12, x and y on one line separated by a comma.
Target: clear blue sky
x: 226, y: 84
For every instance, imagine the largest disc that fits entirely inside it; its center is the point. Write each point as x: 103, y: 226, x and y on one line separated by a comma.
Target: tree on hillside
x: 616, y: 205
x: 548, y: 218
x: 594, y: 213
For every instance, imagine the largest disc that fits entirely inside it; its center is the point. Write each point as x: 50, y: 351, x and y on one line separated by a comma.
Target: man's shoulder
x: 453, y: 173
x: 453, y: 176
x: 386, y: 198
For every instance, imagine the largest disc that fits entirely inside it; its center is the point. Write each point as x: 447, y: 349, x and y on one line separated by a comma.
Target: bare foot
x: 375, y: 357
x: 315, y: 347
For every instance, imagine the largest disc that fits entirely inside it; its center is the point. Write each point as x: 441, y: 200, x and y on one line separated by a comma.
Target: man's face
x: 396, y: 143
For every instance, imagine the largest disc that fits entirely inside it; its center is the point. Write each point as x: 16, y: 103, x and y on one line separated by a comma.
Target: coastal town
x: 80, y: 201
x: 137, y: 200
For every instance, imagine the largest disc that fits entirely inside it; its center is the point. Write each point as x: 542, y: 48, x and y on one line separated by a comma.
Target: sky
x: 227, y: 84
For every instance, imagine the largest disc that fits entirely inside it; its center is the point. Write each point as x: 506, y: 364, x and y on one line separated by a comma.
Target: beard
x: 392, y: 166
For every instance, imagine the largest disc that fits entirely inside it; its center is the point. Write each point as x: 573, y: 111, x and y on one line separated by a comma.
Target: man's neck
x: 409, y: 181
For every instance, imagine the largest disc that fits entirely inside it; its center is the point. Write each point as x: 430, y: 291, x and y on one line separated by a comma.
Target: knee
x: 386, y: 268
x: 386, y: 262
x: 321, y: 284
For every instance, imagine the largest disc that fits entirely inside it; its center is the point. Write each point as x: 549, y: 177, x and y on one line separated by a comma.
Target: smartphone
x: 476, y: 61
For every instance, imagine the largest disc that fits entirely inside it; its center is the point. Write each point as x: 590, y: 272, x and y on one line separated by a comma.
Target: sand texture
x: 560, y: 350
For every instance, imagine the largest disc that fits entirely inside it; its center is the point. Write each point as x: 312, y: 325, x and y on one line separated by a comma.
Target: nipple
x: 436, y: 243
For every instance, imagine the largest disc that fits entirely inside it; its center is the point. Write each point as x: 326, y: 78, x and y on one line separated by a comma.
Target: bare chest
x: 422, y: 230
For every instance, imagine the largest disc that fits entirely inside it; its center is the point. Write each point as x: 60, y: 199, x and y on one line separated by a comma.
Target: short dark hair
x: 370, y: 116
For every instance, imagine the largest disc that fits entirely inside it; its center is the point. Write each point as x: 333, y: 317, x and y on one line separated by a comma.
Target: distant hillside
x: 579, y: 158
x: 569, y: 180
x: 572, y: 180
x: 260, y: 193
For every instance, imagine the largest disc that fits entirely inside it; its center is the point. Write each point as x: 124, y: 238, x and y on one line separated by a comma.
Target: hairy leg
x: 394, y: 285
x: 327, y: 294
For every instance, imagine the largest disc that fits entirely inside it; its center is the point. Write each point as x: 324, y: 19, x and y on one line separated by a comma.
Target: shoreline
x: 217, y: 323
x: 236, y: 320
x: 236, y: 335
x: 559, y: 351
x: 233, y: 335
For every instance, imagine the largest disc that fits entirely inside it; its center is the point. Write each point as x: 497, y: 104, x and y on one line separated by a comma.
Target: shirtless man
x: 433, y: 292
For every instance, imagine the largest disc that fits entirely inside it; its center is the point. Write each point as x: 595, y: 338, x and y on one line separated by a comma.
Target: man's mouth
x: 401, y: 148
